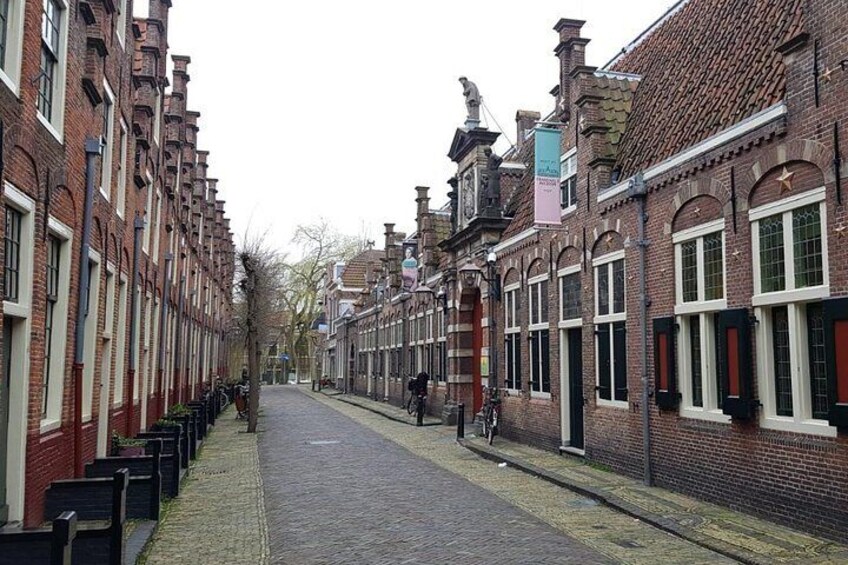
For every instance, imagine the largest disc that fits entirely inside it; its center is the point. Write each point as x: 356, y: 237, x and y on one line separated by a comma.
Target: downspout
x: 163, y: 332
x: 92, y: 151
x: 638, y: 191
x: 190, y: 347
x: 138, y: 226
x: 178, y: 335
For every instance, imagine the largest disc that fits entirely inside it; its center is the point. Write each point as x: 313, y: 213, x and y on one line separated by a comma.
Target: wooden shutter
x: 734, y: 336
x: 665, y: 367
x: 836, y: 353
x: 619, y: 345
x: 602, y: 334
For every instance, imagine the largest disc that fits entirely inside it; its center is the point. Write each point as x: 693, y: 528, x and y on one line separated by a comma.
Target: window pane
x: 534, y: 304
x: 618, y: 286
x: 535, y: 361
x: 12, y: 244
x: 695, y: 348
x: 713, y: 267
x: 772, y: 267
x: 543, y: 301
x: 689, y: 270
x: 818, y: 366
x: 603, y: 290
x: 807, y: 243
x: 570, y: 293
x: 782, y: 361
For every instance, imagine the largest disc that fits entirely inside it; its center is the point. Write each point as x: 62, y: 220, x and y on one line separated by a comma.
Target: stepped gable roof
x: 705, y: 67
x: 356, y: 269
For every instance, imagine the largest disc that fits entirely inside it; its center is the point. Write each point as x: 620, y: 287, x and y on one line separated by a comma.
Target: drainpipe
x: 639, y: 192
x: 163, y: 331
x: 92, y: 152
x: 138, y: 227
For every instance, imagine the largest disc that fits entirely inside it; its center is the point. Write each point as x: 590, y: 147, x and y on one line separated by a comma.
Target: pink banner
x: 547, y: 208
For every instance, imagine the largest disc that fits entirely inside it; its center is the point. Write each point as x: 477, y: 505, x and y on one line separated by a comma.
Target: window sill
x: 49, y: 425
x: 700, y: 307
x: 810, y: 427
x: 568, y: 210
x: 620, y: 404
x: 540, y: 395
x: 10, y: 84
x: 15, y: 309
x: 696, y: 413
x: 572, y: 323
x: 104, y: 194
x: 53, y: 131
x: 786, y: 296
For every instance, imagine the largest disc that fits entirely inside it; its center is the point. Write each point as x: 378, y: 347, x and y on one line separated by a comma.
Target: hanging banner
x: 546, y: 191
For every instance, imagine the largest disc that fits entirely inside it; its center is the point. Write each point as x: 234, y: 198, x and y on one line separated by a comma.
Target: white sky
x: 338, y: 109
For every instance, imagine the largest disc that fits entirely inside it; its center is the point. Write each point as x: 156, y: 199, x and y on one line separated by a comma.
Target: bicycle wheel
x: 411, y: 405
x: 493, y: 427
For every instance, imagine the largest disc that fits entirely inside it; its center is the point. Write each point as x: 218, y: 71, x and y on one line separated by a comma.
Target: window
x: 699, y: 282
x: 12, y: 241
x: 441, y: 348
x: 53, y: 247
x: 568, y: 180
x: 91, y: 345
x: 107, y: 141
x: 11, y: 35
x: 121, y: 23
x: 539, y: 335
x: 569, y: 292
x: 790, y: 278
x: 610, y: 331
x: 512, y: 337
x: 122, y: 172
x: 157, y: 218
x: 51, y: 84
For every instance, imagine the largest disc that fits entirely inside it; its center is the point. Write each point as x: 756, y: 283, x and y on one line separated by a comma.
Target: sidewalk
x: 382, y: 408
x: 219, y: 516
x: 740, y: 536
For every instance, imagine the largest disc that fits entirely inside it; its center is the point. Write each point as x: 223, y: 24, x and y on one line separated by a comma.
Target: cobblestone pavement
x: 343, y: 490
x: 750, y: 538
x: 219, y: 516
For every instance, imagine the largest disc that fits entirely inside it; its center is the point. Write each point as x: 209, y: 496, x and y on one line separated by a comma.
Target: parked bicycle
x: 491, y: 413
x: 242, y: 401
x: 417, y: 396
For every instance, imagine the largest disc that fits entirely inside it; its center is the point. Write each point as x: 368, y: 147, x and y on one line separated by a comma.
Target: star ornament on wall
x: 785, y: 180
x: 840, y: 231
x: 610, y: 240
x: 827, y: 74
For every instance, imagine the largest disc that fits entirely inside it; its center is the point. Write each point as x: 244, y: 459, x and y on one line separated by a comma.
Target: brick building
x: 685, y: 321
x: 117, y: 255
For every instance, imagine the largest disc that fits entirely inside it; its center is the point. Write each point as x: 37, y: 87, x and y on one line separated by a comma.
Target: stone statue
x: 472, y: 99
x: 492, y: 180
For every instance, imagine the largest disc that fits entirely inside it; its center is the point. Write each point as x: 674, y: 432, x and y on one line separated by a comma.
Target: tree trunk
x: 252, y: 348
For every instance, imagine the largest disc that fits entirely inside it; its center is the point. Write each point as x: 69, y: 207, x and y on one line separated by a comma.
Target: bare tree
x: 258, y: 283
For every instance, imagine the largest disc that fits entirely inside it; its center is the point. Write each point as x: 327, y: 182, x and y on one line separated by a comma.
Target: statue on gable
x: 492, y: 180
x: 472, y: 99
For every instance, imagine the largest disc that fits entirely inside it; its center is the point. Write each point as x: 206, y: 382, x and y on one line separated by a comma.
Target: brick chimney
x: 571, y: 52
x: 525, y: 121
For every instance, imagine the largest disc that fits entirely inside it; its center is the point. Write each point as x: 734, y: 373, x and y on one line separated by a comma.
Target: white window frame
x: 566, y: 322
x: 148, y: 216
x: 56, y: 125
x: 108, y: 148
x: 121, y: 21
x: 10, y: 72
x: 511, y: 325
x: 59, y: 335
x: 785, y: 206
x: 534, y: 285
x: 565, y: 174
x: 606, y: 262
x: 794, y: 299
x: 121, y: 197
x: 704, y: 309
x: 121, y: 340
x: 91, y: 337
x: 155, y: 232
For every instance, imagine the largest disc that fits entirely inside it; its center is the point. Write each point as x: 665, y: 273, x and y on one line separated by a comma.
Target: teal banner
x: 546, y: 205
x: 547, y: 152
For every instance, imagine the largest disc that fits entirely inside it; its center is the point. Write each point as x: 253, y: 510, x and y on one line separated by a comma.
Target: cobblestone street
x: 343, y: 485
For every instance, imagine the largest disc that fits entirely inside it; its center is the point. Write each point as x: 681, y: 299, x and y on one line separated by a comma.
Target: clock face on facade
x: 468, y: 196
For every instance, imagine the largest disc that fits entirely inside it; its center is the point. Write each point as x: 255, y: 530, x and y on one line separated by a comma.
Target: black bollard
x: 460, y: 421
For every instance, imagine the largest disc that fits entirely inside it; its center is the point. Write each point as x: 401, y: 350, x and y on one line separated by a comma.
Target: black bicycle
x: 491, y: 414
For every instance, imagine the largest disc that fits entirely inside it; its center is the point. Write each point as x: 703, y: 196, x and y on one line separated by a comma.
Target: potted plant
x: 127, y: 447
x: 180, y: 410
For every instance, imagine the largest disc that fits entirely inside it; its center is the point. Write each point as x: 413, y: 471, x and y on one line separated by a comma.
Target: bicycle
x: 491, y: 414
x: 411, y: 403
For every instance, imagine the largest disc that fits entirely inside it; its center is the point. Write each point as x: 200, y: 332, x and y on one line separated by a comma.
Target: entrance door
x: 477, y: 346
x: 5, y: 383
x: 571, y: 385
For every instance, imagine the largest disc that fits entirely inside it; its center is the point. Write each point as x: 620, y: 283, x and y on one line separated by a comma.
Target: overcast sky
x: 338, y: 109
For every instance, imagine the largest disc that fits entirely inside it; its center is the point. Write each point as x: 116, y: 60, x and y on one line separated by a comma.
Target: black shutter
x: 734, y: 336
x: 665, y: 366
x: 510, y: 363
x: 546, y: 360
x: 619, y: 344
x: 836, y: 353
x: 516, y: 360
x: 602, y: 334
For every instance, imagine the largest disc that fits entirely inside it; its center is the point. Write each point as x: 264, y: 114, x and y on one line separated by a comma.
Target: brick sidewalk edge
x: 340, y: 397
x: 617, y: 503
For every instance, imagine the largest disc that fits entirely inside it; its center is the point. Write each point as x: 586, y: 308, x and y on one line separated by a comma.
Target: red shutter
x: 665, y: 367
x: 836, y: 352
x: 734, y: 343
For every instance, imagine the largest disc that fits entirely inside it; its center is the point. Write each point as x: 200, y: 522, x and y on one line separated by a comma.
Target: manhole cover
x: 324, y: 442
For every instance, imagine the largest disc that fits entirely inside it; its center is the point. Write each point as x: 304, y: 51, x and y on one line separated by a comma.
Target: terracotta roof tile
x: 356, y: 269
x: 707, y: 67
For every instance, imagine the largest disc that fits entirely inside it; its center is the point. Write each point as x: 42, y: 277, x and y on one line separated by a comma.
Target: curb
x: 621, y: 505
x: 381, y: 413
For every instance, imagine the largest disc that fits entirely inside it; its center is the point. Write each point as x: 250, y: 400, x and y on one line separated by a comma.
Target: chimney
x: 571, y: 52
x: 525, y: 121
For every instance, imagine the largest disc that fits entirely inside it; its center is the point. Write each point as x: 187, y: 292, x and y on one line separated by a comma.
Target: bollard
x: 460, y: 421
